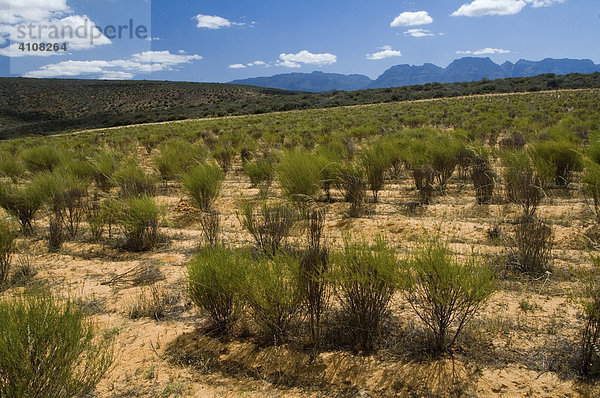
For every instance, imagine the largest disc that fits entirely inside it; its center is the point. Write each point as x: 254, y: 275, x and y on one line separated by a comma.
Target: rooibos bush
x: 48, y: 348
x: 533, y: 250
x: 523, y: 185
x: 484, y: 180
x: 176, y: 158
x: 375, y: 162
x: 140, y: 220
x: 214, y: 285
x: 41, y: 158
x: 555, y: 161
x: 299, y: 176
x: 365, y: 279
x: 444, y: 291
x: 261, y: 173
x: 23, y: 202
x: 314, y: 268
x: 203, y: 184
x: 272, y: 291
x: 133, y: 181
x: 591, y: 184
x: 270, y: 225
x: 352, y: 182
x: 590, y: 299
x: 7, y: 238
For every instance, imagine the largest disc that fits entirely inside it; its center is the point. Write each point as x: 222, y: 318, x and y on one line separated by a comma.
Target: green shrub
x: 365, y: 280
x: 329, y: 168
x: 261, y: 173
x: 375, y: 162
x: 48, y: 348
x: 352, y: 182
x: 589, y: 364
x: 224, y: 157
x: 314, y: 269
x: 555, y: 161
x: 177, y: 157
x: 7, y: 239
x: 203, y: 184
x: 23, y: 202
x: 484, y: 179
x: 533, y: 245
x: 140, y: 220
x: 272, y: 291
x: 270, y: 225
x: 299, y: 176
x: 210, y: 222
x: 523, y: 185
x: 214, y: 284
x: 444, y: 153
x: 133, y: 181
x: 591, y: 185
x: 105, y: 165
x: 444, y: 291
x: 41, y: 158
x: 11, y: 167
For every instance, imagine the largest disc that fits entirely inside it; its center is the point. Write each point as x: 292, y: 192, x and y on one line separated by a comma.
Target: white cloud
x: 117, y: 75
x: 248, y: 65
x: 419, y: 33
x: 412, y: 19
x: 485, y: 51
x: 149, y: 61
x: 306, y: 57
x: 164, y: 57
x: 480, y: 8
x: 386, y: 52
x: 77, y: 31
x: 256, y: 63
x: 287, y: 64
x: 543, y: 3
x: 215, y: 22
x: 16, y: 11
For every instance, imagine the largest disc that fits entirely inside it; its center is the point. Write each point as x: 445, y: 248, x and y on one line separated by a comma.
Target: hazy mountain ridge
x: 465, y: 69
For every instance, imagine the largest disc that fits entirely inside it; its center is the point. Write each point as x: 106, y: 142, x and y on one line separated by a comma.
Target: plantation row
x: 93, y: 187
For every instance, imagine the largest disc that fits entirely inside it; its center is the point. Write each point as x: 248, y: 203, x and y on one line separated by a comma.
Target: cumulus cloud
x: 480, y: 8
x: 287, y: 64
x: 17, y: 11
x: 306, y: 57
x: 35, y: 21
x: 249, y: 64
x: 386, y: 52
x: 215, y: 22
x: 543, y: 3
x: 485, y: 51
x: 145, y: 62
x: 412, y: 19
x: 419, y: 33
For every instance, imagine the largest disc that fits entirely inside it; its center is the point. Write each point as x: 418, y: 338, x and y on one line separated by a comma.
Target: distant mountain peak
x: 460, y: 70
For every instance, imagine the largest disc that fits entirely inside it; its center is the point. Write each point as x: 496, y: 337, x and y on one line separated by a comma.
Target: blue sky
x: 219, y: 41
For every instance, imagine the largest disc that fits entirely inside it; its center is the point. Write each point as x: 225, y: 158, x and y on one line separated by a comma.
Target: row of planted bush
x: 279, y: 287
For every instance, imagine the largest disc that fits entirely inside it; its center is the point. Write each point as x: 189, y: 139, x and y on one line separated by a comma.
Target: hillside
x: 37, y: 106
x: 47, y: 106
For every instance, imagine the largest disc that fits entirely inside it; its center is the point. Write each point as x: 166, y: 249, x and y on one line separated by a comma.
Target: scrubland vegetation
x: 430, y: 248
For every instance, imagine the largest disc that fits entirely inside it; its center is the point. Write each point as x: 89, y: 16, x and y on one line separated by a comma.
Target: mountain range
x: 465, y: 69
